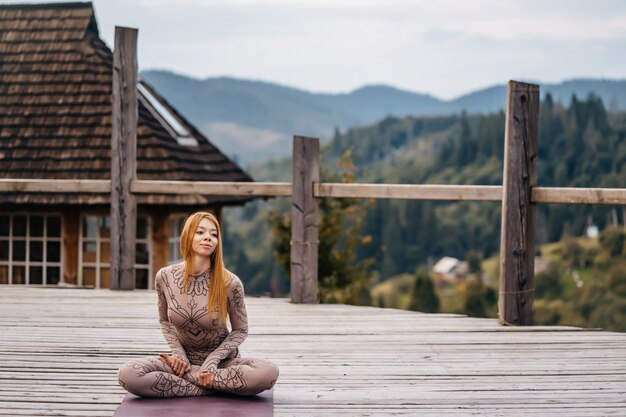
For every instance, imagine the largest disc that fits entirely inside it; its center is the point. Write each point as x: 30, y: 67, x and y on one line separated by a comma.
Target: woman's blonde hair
x: 217, y: 286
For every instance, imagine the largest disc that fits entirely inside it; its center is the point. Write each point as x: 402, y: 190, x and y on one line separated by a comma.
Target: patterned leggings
x: 151, y: 377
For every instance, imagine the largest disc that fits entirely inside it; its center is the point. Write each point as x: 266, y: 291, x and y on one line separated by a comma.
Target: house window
x: 176, y: 224
x: 95, y: 251
x: 167, y: 119
x: 30, y: 249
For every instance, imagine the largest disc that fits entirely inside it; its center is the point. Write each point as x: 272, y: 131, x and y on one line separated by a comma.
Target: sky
x: 445, y: 48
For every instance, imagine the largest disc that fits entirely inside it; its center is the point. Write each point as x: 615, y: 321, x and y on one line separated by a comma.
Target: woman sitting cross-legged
x: 195, y: 298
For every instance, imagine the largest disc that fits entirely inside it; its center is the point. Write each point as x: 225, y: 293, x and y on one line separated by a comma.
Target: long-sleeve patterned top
x: 192, y: 333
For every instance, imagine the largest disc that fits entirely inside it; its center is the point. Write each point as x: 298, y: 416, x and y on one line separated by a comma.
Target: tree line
x: 580, y: 144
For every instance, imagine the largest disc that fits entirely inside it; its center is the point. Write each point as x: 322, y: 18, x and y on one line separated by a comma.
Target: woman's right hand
x: 179, y: 366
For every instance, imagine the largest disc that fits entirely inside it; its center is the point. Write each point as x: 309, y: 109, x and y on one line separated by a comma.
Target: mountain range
x: 253, y: 121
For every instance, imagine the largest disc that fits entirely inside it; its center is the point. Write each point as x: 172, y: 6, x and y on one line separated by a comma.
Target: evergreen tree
x: 548, y: 284
x: 475, y: 305
x: 473, y: 260
x: 465, y: 152
x: 341, y: 277
x: 424, y: 297
x: 612, y: 239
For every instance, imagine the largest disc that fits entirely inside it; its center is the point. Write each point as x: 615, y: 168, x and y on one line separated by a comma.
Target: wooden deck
x: 60, y: 349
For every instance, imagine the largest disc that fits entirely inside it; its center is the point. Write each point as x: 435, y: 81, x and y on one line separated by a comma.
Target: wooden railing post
x: 517, y: 244
x: 123, y: 159
x: 304, y: 220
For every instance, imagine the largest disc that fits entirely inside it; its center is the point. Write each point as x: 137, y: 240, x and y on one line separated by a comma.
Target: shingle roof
x: 55, y: 111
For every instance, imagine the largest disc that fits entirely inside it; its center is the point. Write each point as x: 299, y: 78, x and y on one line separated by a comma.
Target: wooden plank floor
x: 60, y: 350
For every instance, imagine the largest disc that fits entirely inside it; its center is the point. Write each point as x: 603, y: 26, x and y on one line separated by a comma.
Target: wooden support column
x: 124, y: 159
x: 160, y: 242
x: 304, y: 220
x: 517, y: 244
x: 70, y: 224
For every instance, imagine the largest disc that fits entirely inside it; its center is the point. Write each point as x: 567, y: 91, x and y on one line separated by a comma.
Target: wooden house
x: 55, y: 123
x: 449, y: 270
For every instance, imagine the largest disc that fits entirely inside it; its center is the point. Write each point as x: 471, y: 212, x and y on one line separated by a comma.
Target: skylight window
x: 167, y: 119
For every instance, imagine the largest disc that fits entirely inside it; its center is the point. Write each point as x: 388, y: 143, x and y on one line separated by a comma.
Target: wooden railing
x: 546, y: 195
x: 519, y: 193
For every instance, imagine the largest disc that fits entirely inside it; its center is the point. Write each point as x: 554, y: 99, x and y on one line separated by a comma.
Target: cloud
x: 441, y: 35
x: 530, y: 27
x: 441, y: 47
x: 268, y: 3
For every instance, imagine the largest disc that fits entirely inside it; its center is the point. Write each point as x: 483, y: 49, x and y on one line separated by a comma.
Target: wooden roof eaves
x: 99, y: 48
x: 92, y: 27
x: 176, y: 201
x: 44, y: 6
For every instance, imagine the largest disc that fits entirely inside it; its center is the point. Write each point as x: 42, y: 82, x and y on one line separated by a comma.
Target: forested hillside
x: 579, y: 145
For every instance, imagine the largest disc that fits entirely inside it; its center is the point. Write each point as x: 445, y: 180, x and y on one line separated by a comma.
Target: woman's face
x: 205, y: 238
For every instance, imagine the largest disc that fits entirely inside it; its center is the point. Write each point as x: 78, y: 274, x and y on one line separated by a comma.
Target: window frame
x: 27, y: 263
x: 176, y: 239
x: 98, y: 264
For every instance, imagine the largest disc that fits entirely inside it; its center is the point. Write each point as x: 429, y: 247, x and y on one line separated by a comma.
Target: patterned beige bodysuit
x: 197, y: 337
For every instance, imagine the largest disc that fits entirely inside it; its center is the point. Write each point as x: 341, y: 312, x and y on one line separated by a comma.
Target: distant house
x: 592, y: 231
x: 449, y: 269
x: 540, y: 265
x: 55, y: 123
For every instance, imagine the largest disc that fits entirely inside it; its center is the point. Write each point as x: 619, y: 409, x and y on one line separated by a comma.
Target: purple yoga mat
x: 218, y: 405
